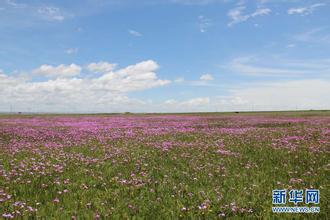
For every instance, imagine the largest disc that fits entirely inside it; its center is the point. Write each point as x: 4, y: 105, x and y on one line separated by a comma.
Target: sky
x: 164, y: 55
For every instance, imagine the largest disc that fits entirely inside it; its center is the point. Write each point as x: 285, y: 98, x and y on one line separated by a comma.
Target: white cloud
x: 204, y: 23
x: 291, y: 46
x: 279, y: 95
x: 171, y: 102
x: 203, y: 81
x: 111, y: 94
x: 135, y: 33
x: 101, y: 67
x: 179, y: 80
x: 197, y: 102
x: 318, y: 35
x: 237, y: 16
x: 51, y: 13
x: 305, y: 10
x: 71, y: 50
x: 282, y: 95
x: 196, y: 2
x: 33, y: 13
x: 206, y: 77
x: 111, y: 91
x: 190, y: 105
x: 275, y: 67
x: 61, y: 71
x: 15, y: 4
x: 107, y: 93
x: 132, y: 78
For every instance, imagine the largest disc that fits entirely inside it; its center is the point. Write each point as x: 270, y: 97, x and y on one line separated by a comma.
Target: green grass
x: 165, y: 182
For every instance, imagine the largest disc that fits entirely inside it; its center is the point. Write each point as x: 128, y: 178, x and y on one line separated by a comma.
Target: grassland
x: 159, y: 166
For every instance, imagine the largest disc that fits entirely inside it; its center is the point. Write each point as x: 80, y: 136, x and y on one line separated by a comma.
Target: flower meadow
x: 160, y: 166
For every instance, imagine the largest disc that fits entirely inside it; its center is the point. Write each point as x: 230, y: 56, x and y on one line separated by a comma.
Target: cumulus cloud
x: 61, y: 71
x: 236, y: 14
x: 110, y: 92
x: 101, y: 67
x: 206, y: 77
x: 106, y: 93
x: 305, y: 10
x: 132, y: 78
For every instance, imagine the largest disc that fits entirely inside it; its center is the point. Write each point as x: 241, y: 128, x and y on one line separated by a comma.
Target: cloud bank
x: 65, y: 89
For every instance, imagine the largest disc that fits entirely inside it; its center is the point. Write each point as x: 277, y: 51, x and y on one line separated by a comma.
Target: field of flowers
x: 160, y: 166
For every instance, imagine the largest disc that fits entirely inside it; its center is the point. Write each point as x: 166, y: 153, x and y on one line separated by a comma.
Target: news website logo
x: 296, y: 197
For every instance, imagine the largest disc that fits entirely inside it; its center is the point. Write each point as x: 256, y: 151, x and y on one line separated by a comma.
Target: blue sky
x: 164, y: 55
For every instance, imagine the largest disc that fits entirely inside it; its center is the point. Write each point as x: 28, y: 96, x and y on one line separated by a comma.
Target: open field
x: 161, y: 166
